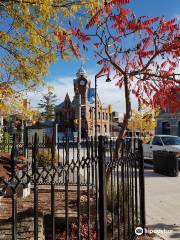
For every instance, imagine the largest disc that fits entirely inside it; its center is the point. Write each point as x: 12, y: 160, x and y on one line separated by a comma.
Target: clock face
x: 82, y: 82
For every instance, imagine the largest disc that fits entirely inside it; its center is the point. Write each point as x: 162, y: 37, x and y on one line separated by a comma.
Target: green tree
x: 47, y: 104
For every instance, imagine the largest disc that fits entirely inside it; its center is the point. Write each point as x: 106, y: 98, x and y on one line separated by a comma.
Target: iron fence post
x: 34, y: 172
x: 102, y: 189
x: 25, y: 140
x: 142, y: 187
x: 14, y: 155
x: 53, y: 149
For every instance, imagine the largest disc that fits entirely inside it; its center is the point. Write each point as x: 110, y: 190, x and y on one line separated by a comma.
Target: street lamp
x: 107, y: 80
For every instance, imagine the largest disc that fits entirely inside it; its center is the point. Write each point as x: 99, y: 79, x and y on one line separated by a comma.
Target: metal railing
x: 103, y: 197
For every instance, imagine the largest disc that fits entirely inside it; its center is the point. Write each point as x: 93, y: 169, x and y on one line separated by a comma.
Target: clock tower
x: 81, y: 85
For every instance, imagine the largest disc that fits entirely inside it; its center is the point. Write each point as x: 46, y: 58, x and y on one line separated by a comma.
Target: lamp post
x: 110, y: 119
x: 79, y: 121
x: 95, y: 108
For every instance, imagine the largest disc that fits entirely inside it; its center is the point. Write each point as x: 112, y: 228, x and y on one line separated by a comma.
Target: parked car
x: 162, y: 143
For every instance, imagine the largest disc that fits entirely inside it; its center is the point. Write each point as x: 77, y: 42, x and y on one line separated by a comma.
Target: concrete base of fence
x: 25, y: 229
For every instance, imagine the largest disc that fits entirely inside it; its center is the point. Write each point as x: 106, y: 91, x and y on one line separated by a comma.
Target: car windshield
x: 171, y: 140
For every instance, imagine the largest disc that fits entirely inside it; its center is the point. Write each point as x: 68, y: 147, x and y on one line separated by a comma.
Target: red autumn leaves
x: 142, y: 50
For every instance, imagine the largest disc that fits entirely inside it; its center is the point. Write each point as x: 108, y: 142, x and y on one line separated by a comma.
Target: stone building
x: 168, y: 123
x: 67, y: 112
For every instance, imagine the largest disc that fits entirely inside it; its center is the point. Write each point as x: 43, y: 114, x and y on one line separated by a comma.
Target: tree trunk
x: 126, y: 118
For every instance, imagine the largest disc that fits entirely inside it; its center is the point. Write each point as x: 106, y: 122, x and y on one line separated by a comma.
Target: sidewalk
x: 163, y: 204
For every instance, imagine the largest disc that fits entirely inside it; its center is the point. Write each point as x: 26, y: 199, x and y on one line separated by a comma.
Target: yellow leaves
x: 4, y: 36
x: 143, y: 121
x: 75, y: 7
x: 66, y: 12
x: 5, y: 90
x: 80, y: 21
x: 9, y: 100
x: 30, y: 41
x: 34, y: 39
x: 50, y: 89
x: 12, y: 102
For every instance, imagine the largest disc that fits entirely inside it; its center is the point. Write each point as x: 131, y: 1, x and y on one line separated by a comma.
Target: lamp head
x: 108, y: 79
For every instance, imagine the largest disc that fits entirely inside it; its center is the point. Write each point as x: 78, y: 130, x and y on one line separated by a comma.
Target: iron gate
x: 75, y: 191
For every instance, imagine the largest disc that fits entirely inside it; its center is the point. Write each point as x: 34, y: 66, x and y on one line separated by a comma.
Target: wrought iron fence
x: 79, y: 191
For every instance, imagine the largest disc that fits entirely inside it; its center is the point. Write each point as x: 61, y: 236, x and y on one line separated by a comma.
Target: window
x: 166, y: 128
x: 99, y: 115
x: 105, y: 128
x: 106, y: 116
x: 98, y: 128
x: 171, y: 140
x: 179, y: 128
x: 90, y: 113
x: 157, y: 141
x: 83, y: 112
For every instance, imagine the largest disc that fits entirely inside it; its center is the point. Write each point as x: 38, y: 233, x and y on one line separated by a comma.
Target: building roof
x: 61, y: 105
x: 67, y: 98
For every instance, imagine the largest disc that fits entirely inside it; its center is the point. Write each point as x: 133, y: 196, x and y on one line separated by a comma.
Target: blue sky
x: 62, y: 73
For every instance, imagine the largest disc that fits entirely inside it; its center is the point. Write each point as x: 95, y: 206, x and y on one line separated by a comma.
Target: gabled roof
x: 67, y: 98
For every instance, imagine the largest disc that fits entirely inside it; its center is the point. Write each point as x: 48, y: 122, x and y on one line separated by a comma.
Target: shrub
x: 45, y: 158
x: 5, y: 141
x: 112, y: 199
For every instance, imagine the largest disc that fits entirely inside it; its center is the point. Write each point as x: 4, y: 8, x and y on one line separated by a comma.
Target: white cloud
x: 107, y: 91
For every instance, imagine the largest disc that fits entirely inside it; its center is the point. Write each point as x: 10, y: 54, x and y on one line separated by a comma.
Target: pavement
x: 162, y: 204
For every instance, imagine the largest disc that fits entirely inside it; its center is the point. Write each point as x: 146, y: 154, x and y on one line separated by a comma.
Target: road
x: 163, y: 204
